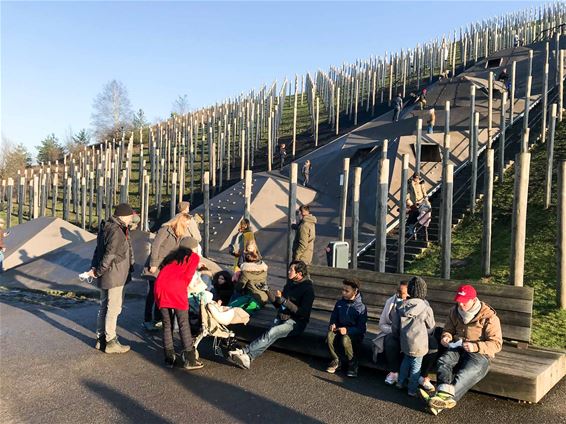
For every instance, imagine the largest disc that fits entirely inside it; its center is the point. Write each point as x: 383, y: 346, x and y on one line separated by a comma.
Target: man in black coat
x: 294, y: 305
x: 112, y: 264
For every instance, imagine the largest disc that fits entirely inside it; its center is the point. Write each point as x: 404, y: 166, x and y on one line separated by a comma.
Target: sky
x: 56, y: 56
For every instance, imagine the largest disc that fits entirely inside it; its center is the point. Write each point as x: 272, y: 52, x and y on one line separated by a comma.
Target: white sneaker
x: 237, y: 351
x: 425, y: 383
x: 242, y: 360
x: 391, y: 378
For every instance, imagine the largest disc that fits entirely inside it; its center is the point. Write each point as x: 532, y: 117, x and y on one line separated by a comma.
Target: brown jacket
x: 484, y: 329
x: 303, y: 245
x: 193, y: 230
x: 417, y: 192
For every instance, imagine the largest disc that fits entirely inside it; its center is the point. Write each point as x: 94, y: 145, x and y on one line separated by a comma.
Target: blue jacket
x: 351, y: 314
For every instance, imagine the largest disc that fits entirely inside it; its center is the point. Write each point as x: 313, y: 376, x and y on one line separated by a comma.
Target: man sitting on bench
x: 294, y: 309
x: 472, y: 334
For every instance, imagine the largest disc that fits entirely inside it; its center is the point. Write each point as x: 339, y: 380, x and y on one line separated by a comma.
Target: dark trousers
x: 394, y: 356
x: 152, y: 312
x: 396, y: 113
x: 350, y: 345
x: 184, y: 328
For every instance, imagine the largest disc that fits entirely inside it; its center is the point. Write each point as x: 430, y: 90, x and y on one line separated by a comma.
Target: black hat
x: 123, y: 209
x: 417, y: 288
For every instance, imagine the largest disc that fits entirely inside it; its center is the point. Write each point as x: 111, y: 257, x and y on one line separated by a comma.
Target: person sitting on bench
x: 293, y: 314
x: 472, y: 334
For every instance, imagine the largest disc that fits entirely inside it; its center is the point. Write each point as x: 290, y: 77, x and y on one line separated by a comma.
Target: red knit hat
x: 465, y: 293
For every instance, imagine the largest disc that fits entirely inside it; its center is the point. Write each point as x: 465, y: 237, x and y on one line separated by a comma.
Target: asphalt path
x: 50, y: 373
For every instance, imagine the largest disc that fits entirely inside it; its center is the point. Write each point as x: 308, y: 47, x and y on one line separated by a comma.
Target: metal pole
x: 561, y: 242
x: 487, y: 213
x: 448, y: 187
x: 402, y: 215
x: 550, y: 157
x: 474, y: 160
x: 291, y: 211
x: 356, y: 216
x: 344, y: 197
x: 502, y: 135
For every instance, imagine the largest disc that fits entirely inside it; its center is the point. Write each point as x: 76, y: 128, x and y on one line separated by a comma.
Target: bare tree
x: 112, y: 111
x: 13, y: 158
x: 181, y: 105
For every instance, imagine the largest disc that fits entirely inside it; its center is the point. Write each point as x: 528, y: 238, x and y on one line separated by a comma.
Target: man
x: 417, y: 191
x: 282, y: 155
x: 305, y: 234
x: 112, y: 263
x: 472, y: 335
x: 294, y: 309
x: 192, y: 227
x: 397, y: 106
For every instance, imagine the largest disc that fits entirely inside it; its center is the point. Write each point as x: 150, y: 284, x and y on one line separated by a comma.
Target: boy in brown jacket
x: 472, y: 334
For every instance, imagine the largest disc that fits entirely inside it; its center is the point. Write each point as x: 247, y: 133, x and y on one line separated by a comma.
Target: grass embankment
x: 549, y: 322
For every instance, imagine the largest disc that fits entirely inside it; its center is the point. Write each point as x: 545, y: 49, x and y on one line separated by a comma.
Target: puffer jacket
x: 417, y: 192
x: 351, y: 314
x: 303, y: 245
x: 413, y: 321
x: 113, y: 257
x: 484, y: 329
x: 253, y: 280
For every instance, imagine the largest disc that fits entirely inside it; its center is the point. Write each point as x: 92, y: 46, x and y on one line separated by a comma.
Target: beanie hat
x: 417, y: 288
x: 181, y: 206
x: 123, y: 209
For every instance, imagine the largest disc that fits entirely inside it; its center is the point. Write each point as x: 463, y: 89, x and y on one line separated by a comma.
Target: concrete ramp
x: 35, y: 238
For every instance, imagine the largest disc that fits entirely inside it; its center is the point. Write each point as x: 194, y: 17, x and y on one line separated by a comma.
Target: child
x: 222, y: 287
x: 347, y: 323
x: 177, y: 271
x: 413, y: 322
x: 425, y: 216
x: 251, y: 284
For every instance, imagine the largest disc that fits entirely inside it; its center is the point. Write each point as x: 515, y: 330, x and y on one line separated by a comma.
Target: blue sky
x: 56, y: 56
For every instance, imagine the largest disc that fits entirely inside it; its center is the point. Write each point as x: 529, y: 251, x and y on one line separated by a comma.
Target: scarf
x: 468, y: 316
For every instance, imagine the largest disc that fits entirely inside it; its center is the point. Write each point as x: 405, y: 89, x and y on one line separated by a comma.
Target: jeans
x: 168, y: 315
x: 430, y: 129
x: 349, y: 344
x: 110, y: 308
x: 472, y: 368
x: 278, y: 331
x: 152, y: 312
x: 394, y: 356
x: 396, y: 113
x: 411, y: 369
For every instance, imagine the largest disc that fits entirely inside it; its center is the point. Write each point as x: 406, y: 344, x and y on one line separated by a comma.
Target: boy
x: 347, y: 323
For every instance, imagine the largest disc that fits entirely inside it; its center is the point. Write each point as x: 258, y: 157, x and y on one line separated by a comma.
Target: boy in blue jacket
x: 348, y: 324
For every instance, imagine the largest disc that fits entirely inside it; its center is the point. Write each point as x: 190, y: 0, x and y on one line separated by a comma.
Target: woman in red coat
x: 177, y: 271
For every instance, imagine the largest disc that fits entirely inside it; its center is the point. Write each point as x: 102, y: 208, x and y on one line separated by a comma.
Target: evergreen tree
x: 50, y: 149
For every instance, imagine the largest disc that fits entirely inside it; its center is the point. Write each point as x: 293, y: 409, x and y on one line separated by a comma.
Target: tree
x: 77, y: 142
x: 112, y: 111
x: 13, y: 159
x: 50, y: 149
x: 180, y: 105
x: 140, y: 120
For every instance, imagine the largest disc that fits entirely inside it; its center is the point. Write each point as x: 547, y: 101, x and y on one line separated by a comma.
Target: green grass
x: 549, y: 322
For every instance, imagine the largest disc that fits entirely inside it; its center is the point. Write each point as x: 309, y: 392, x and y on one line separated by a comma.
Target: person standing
x: 305, y: 235
x: 282, y: 155
x: 472, y: 335
x: 294, y: 305
x: 165, y: 242
x: 421, y: 100
x: 241, y: 240
x: 112, y: 264
x: 177, y: 271
x: 306, y: 171
x: 397, y: 106
x: 417, y: 192
x: 431, y: 121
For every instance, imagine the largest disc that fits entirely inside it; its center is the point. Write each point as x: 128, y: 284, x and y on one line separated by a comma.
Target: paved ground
x: 50, y: 374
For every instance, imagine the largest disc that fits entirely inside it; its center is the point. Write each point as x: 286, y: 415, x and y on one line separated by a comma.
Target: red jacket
x: 172, y: 283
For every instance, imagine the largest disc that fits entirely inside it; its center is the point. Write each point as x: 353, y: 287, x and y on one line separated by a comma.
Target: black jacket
x: 113, y: 257
x: 296, y: 302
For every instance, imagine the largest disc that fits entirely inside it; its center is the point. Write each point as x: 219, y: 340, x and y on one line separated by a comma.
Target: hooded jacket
x: 303, y: 245
x: 484, y: 329
x: 351, y: 314
x: 113, y: 256
x: 253, y: 280
x: 413, y: 321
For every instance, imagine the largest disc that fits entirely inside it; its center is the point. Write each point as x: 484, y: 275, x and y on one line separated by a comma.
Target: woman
x: 242, y: 238
x: 223, y: 287
x: 166, y: 241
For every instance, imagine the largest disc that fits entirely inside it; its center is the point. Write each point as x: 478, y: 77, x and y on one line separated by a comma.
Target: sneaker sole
x: 331, y: 371
x: 434, y: 411
x: 442, y: 404
x: 424, y: 394
x: 192, y: 368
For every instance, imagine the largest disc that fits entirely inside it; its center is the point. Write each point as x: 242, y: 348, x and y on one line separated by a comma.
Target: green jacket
x: 305, y: 234
x: 253, y: 280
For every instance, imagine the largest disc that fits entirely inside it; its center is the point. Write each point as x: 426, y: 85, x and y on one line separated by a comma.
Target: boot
x: 114, y: 346
x: 170, y: 358
x: 100, y: 343
x: 190, y: 361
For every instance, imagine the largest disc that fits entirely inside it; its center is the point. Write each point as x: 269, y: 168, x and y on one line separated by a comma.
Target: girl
x: 177, y: 271
x: 223, y: 287
x: 242, y: 238
x: 251, y: 284
x: 413, y: 322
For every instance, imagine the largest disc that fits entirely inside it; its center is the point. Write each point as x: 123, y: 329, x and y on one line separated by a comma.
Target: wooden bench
x: 519, y: 371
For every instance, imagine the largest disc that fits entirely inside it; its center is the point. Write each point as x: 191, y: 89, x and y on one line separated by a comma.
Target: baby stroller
x: 208, y: 319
